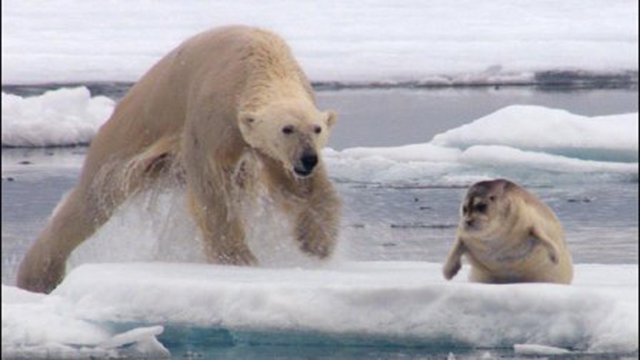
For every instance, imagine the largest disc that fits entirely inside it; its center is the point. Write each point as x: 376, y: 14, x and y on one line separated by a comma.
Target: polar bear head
x: 290, y: 132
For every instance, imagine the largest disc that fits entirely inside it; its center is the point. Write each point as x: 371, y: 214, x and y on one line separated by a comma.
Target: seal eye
x: 480, y: 208
x: 317, y: 129
x: 465, y: 209
x: 287, y: 130
x: 492, y: 198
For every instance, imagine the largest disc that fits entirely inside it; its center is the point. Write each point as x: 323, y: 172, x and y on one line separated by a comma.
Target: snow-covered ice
x: 439, y: 42
x: 63, y: 117
x: 553, y: 131
x: 349, y: 302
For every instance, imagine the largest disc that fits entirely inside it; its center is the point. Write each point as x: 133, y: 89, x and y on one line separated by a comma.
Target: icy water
x: 382, y: 221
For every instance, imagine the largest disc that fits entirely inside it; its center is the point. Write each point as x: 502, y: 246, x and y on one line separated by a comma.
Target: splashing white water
x: 155, y: 226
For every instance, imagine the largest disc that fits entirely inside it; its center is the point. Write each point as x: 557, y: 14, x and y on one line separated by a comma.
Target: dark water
x: 381, y: 221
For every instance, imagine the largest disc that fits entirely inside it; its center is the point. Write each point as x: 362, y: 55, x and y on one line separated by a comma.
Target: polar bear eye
x: 317, y: 129
x: 287, y: 130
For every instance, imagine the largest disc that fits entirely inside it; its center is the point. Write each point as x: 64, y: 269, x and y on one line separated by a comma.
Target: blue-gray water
x: 381, y: 221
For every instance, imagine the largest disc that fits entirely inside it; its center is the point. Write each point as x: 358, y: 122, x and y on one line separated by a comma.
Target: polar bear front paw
x: 239, y: 257
x: 314, y: 240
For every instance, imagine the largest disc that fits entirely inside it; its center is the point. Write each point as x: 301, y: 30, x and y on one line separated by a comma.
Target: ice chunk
x: 60, y: 117
x: 554, y: 131
x: 37, y: 325
x: 142, y: 342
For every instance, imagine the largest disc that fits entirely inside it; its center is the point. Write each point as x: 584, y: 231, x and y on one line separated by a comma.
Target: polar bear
x: 228, y: 109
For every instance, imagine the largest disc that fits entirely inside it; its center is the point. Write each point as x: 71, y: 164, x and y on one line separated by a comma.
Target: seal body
x: 509, y: 236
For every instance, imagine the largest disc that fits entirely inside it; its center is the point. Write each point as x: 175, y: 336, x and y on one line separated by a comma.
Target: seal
x: 509, y: 236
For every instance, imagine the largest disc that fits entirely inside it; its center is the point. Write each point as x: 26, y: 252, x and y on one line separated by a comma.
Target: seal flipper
x: 545, y: 241
x: 453, y: 262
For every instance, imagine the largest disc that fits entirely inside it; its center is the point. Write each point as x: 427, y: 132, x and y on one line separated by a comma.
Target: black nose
x: 469, y: 223
x: 309, y: 161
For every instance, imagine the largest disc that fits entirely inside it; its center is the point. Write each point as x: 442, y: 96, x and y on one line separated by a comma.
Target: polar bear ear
x: 247, y: 120
x: 331, y: 118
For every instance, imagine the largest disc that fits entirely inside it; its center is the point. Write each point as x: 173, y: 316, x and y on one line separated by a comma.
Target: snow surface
x: 371, y: 41
x: 347, y: 303
x: 518, y: 140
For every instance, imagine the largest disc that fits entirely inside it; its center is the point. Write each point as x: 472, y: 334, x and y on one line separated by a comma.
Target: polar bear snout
x: 309, y: 161
x: 306, y: 164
